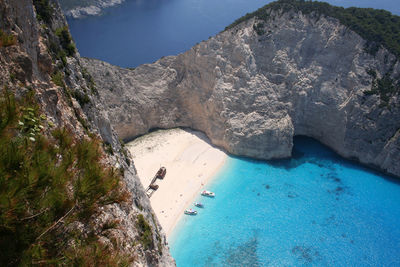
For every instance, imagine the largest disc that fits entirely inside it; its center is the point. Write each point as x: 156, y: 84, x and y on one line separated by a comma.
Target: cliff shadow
x: 309, y: 150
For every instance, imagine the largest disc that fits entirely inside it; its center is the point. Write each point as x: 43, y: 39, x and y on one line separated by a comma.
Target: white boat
x: 190, y: 212
x: 198, y: 204
x: 207, y: 193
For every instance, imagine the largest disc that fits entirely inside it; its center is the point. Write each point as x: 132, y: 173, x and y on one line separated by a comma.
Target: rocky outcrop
x: 88, y: 8
x: 35, y: 61
x: 253, y: 87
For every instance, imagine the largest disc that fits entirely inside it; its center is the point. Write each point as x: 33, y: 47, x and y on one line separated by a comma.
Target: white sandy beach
x: 190, y: 161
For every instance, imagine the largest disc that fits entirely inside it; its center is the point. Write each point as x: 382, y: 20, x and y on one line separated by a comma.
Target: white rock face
x: 91, y: 10
x: 251, y: 94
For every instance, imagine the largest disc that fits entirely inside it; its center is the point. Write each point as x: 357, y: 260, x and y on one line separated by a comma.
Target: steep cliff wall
x: 38, y: 59
x: 254, y: 86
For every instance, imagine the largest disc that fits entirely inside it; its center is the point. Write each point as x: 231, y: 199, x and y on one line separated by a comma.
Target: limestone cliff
x: 81, y: 9
x: 38, y: 58
x: 256, y: 85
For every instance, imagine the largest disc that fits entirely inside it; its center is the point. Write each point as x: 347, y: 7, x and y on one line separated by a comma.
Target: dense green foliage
x: 58, y: 78
x: 378, y: 27
x: 7, y: 39
x: 259, y: 28
x: 44, y: 10
x: 82, y: 98
x: 45, y: 181
x: 385, y: 87
x: 90, y: 81
x: 66, y: 41
x: 146, y: 237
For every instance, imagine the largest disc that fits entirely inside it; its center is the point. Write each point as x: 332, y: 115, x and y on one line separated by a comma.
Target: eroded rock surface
x: 87, y: 8
x: 251, y: 93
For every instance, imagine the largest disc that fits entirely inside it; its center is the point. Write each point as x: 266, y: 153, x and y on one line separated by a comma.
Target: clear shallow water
x: 313, y: 210
x: 142, y: 31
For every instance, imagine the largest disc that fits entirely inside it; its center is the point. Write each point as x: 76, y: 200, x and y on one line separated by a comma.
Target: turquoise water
x: 142, y: 31
x: 315, y: 209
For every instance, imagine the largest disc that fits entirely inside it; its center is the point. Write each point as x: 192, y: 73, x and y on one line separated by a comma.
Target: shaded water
x: 142, y: 31
x: 314, y: 209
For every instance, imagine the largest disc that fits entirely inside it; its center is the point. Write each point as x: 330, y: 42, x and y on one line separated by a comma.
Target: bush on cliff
x: 66, y: 40
x: 385, y: 87
x: 146, y: 237
x: 7, y: 39
x: 46, y: 184
x: 44, y: 10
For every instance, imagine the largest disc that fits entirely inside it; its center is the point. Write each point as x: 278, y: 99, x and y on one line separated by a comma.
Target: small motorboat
x: 198, y: 204
x: 207, y: 193
x: 190, y: 212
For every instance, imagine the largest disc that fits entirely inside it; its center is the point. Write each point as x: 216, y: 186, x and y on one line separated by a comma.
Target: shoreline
x: 94, y: 9
x: 192, y: 199
x: 191, y: 162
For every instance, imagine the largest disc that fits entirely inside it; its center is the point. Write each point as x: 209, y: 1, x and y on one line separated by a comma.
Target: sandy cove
x: 191, y: 161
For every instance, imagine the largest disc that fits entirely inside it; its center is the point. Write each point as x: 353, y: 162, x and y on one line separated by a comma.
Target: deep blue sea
x: 142, y: 31
x: 315, y: 209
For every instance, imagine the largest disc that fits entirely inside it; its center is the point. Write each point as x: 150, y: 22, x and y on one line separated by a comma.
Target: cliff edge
x: 265, y: 79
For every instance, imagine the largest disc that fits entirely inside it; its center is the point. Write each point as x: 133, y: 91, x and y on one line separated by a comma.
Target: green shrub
x: 385, y: 87
x: 89, y: 79
x: 108, y: 148
x: 82, y: 98
x: 8, y: 111
x: 44, y: 10
x: 64, y: 138
x: 259, y: 28
x: 83, y: 122
x: 63, y: 57
x: 13, y: 77
x: 66, y: 40
x: 58, y: 79
x: 145, y: 234
x: 7, y: 39
x: 96, y: 254
x: 45, y: 179
x: 372, y: 73
x: 58, y: 53
x: 112, y: 224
